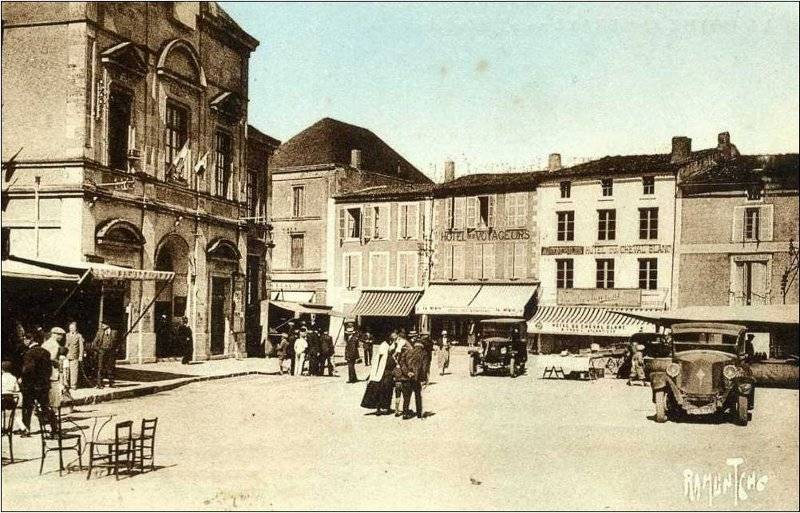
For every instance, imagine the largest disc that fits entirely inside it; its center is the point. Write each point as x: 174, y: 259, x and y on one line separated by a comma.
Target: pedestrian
x: 283, y: 351
x: 10, y: 386
x: 74, y: 343
x: 37, y: 369
x: 412, y: 366
x: 105, y: 343
x: 185, y: 340
x: 326, y: 344
x: 378, y: 394
x: 443, y: 350
x: 427, y: 343
x: 293, y: 334
x: 351, y: 353
x: 300, y: 346
x: 366, y: 345
x: 472, y: 337
x: 399, y: 347
x: 637, y: 366
x: 54, y: 345
x: 314, y: 351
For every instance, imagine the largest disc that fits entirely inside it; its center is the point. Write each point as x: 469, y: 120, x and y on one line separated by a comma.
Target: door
x: 115, y: 314
x: 219, y: 290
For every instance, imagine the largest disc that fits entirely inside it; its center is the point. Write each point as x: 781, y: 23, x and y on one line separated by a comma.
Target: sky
x: 498, y: 87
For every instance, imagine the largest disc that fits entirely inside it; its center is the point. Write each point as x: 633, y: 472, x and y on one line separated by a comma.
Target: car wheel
x: 751, y: 402
x: 661, y: 406
x: 512, y: 367
x: 741, y: 410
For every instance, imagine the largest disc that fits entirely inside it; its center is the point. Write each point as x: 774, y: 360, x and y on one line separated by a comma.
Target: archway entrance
x: 172, y: 255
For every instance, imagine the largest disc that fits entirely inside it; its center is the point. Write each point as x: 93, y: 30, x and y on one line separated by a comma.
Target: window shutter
x: 765, y: 223
x: 737, y: 281
x: 458, y: 262
x: 412, y: 225
x: 459, y: 207
x: 342, y: 225
x: 522, y: 209
x: 492, y: 203
x: 737, y: 233
x: 488, y: 261
x: 357, y: 271
x: 402, y: 221
x: 511, y: 209
x: 472, y: 212
x: 367, y: 221
x: 509, y: 261
x: 411, y: 262
x: 449, y: 211
x: 477, y: 269
x: 520, y: 260
x: 760, y: 292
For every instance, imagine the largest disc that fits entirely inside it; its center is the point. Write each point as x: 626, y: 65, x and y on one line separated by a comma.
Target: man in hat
x: 74, y: 345
x: 105, y: 341
x: 283, y: 351
x: 326, y: 345
x: 185, y: 339
x: 366, y: 343
x: 293, y: 333
x: 314, y: 352
x: 37, y: 369
x: 427, y: 343
x: 444, y: 352
x: 412, y: 366
x: 351, y: 353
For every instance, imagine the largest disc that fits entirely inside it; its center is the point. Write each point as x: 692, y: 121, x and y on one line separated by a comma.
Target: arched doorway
x: 172, y: 254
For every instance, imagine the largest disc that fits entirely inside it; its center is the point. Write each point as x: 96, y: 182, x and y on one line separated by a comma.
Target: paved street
x: 491, y: 442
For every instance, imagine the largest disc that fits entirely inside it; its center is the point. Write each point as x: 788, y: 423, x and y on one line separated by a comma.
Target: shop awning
x: 447, y: 299
x: 294, y: 296
x: 502, y: 300
x: 499, y: 300
x: 303, y: 308
x: 386, y: 303
x: 73, y: 271
x: 754, y: 317
x: 586, y: 320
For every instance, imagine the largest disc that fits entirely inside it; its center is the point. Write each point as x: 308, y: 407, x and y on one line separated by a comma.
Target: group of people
x: 306, y: 348
x: 401, y: 367
x: 44, y: 370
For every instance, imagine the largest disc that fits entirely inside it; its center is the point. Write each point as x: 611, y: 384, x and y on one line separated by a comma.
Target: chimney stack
x: 681, y: 148
x: 449, y: 171
x: 724, y: 146
x: 355, y: 159
x: 554, y: 162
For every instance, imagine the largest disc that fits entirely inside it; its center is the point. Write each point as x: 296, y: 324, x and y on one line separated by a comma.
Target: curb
x: 142, y: 390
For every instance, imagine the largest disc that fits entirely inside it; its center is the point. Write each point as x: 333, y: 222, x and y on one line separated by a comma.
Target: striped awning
x: 386, y: 303
x: 587, y: 320
x: 18, y: 267
x: 491, y: 299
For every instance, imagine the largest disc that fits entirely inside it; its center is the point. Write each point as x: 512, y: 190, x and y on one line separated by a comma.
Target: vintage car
x: 708, y: 373
x: 501, y: 345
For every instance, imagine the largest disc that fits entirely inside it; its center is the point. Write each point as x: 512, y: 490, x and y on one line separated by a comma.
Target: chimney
x: 723, y: 140
x: 554, y: 162
x: 681, y: 148
x: 449, y: 171
x: 355, y: 159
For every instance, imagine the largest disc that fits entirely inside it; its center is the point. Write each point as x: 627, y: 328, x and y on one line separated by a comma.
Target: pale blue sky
x: 494, y: 86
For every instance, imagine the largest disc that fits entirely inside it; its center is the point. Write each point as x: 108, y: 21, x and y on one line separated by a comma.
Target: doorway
x: 170, y: 306
x: 219, y: 300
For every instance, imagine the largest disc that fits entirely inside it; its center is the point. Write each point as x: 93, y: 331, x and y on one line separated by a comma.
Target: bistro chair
x: 57, y: 439
x: 144, y: 445
x: 113, y: 453
x: 9, y: 411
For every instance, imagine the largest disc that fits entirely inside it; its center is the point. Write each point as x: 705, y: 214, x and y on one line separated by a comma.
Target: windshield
x: 704, y: 339
x: 497, y: 330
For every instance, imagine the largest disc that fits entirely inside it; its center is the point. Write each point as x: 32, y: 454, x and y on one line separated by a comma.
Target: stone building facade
x: 129, y: 125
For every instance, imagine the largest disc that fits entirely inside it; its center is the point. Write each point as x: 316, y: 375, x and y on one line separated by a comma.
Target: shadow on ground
x: 146, y: 376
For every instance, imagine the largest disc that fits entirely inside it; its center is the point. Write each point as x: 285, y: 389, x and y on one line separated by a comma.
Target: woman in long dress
x: 378, y: 394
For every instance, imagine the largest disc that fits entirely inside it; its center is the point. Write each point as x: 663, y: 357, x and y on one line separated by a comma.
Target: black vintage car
x: 501, y: 346
x: 708, y: 373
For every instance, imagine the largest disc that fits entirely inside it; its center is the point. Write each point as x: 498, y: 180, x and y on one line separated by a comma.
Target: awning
x: 754, y: 317
x: 73, y: 271
x: 447, y: 299
x: 303, y: 308
x: 502, y: 300
x: 295, y: 296
x: 586, y: 320
x: 386, y: 303
x: 499, y: 300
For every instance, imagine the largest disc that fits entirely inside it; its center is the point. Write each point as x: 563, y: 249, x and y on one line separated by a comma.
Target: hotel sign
x: 599, y: 297
x: 485, y: 235
x: 636, y: 249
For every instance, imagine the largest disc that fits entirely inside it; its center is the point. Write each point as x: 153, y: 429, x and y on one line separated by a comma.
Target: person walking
x: 74, y: 344
x: 351, y: 354
x: 378, y: 394
x: 300, y: 346
x: 366, y: 344
x: 185, y: 340
x: 326, y: 345
x: 37, y: 368
x: 283, y: 351
x: 105, y: 343
x: 443, y: 350
x: 412, y: 367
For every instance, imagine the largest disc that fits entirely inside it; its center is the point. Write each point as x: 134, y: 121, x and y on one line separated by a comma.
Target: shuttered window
x: 351, y: 271
x: 484, y: 263
x: 516, y: 255
x: 407, y: 269
x: 752, y: 223
x: 408, y: 221
x: 516, y: 209
x: 378, y: 269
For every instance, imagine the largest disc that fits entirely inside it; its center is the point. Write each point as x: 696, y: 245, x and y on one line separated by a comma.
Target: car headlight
x: 730, y: 371
x: 503, y: 350
x: 673, y: 369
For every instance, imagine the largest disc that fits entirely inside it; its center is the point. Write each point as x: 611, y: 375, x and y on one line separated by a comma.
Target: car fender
x: 658, y: 382
x: 744, y: 385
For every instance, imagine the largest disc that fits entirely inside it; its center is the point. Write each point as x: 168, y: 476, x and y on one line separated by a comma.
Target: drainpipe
x: 36, y: 184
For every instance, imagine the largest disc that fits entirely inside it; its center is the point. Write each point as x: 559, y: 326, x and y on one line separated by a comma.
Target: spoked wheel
x: 741, y: 410
x: 661, y: 406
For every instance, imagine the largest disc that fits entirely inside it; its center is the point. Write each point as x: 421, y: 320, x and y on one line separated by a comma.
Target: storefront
x: 458, y: 307
x: 381, y: 311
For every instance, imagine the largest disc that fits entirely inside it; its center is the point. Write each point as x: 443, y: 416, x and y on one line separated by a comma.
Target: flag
x: 179, y: 160
x: 202, y: 164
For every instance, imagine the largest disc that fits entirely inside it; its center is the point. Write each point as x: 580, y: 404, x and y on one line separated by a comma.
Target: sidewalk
x: 151, y: 378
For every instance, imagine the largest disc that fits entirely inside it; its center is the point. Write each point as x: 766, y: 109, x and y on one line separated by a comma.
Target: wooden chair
x: 10, y: 402
x: 144, y: 444
x: 57, y: 439
x: 113, y: 453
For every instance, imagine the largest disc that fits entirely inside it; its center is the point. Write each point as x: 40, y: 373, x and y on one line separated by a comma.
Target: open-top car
x: 501, y: 345
x: 708, y: 373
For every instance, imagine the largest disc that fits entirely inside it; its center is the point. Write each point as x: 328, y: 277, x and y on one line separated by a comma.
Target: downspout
x: 675, y: 227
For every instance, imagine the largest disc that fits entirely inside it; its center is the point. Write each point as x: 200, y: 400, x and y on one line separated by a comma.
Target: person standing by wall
x: 75, y: 352
x: 351, y: 354
x: 105, y: 342
x: 186, y: 340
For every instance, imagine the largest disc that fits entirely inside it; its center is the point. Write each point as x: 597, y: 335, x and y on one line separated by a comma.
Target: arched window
x: 180, y: 61
x: 120, y: 233
x: 223, y: 249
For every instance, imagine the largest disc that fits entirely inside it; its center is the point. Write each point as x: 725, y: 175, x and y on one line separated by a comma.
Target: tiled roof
x: 329, y: 141
x: 387, y: 192
x: 489, y: 181
x: 625, y: 164
x: 744, y: 169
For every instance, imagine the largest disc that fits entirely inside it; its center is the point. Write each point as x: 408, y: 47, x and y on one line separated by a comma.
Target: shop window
x: 648, y: 273
x: 297, y: 249
x: 564, y: 273
x: 605, y: 273
x: 223, y: 163
x: 607, y: 186
x: 606, y: 224
x: 565, y: 228
x: 648, y: 223
x: 648, y: 185
x: 120, y: 105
